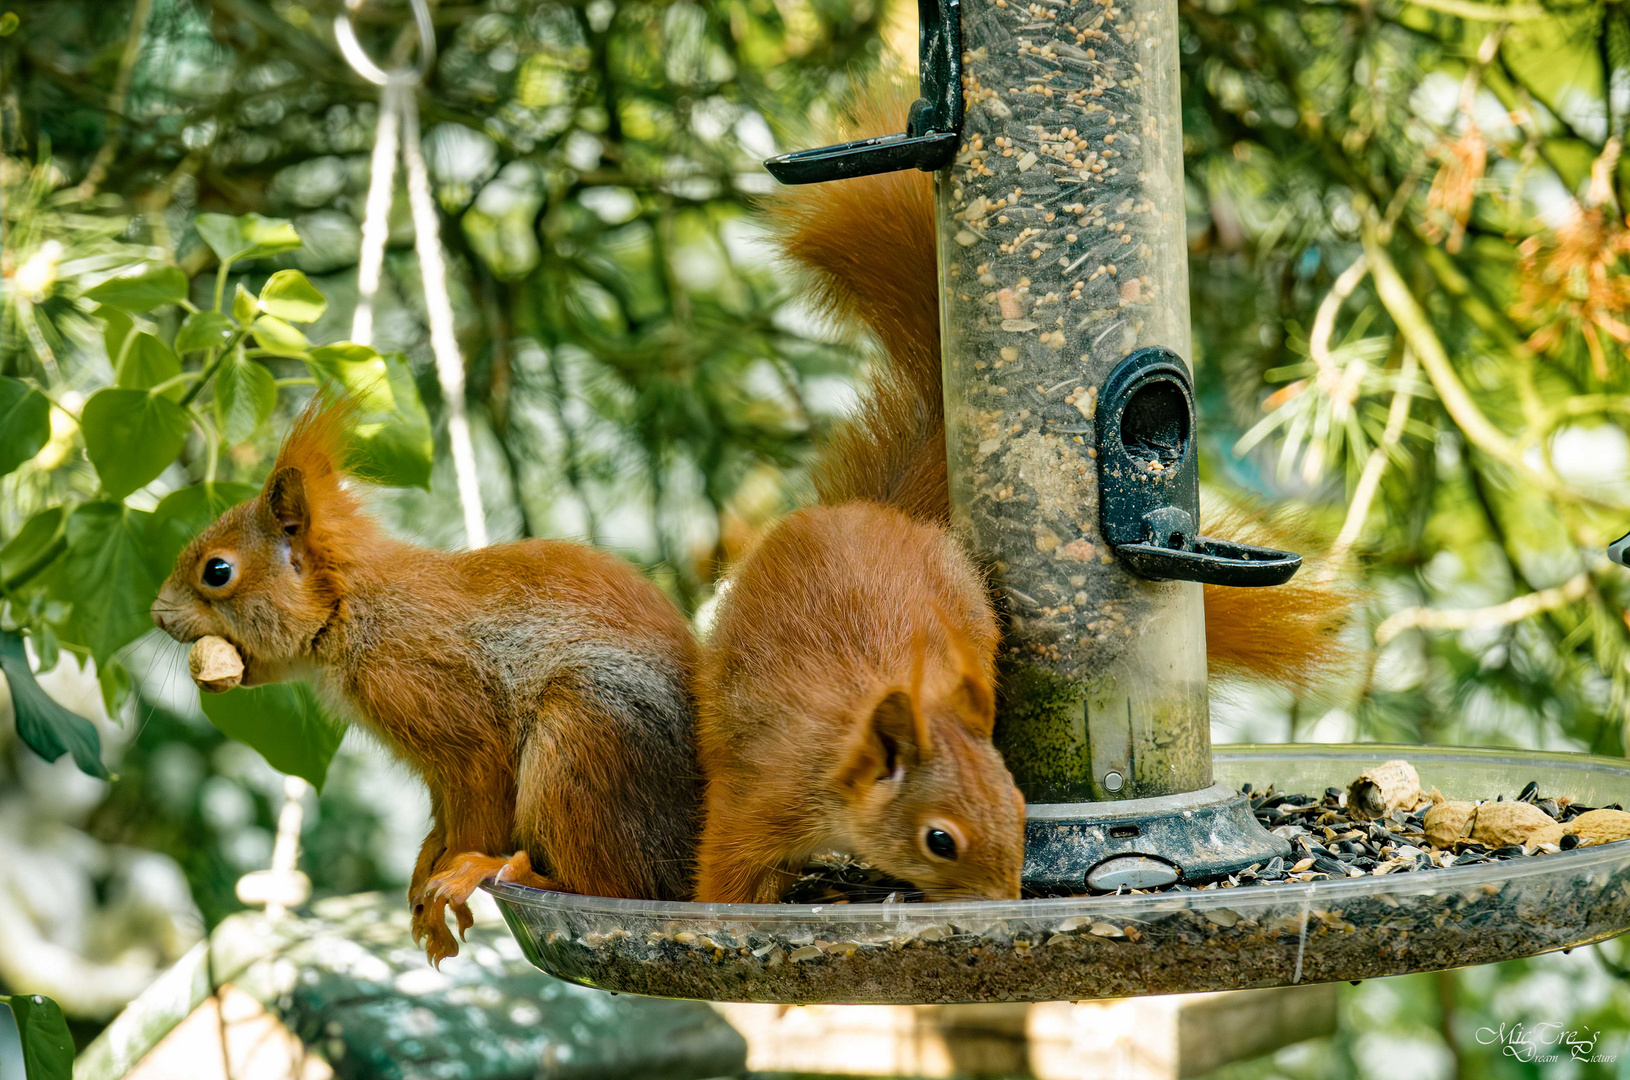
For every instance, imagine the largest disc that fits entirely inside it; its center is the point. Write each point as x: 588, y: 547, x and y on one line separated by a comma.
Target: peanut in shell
x: 215, y: 664
x: 1500, y: 824
x: 1392, y: 785
x: 1448, y: 822
x: 1600, y: 827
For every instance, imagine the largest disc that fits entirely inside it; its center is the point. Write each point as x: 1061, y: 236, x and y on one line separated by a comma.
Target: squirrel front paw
x: 461, y: 875
x: 453, y: 885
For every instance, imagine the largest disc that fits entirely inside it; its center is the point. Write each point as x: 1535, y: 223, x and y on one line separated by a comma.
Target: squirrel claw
x: 461, y: 913
x: 440, y: 943
x: 452, y: 887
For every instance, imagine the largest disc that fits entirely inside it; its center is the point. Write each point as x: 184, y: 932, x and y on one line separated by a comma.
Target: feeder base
x: 1194, y: 837
x: 1085, y: 947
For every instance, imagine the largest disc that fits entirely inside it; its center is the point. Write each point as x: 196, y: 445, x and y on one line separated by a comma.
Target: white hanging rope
x: 399, y: 122
x: 439, y: 307
x: 283, y: 886
x: 376, y: 214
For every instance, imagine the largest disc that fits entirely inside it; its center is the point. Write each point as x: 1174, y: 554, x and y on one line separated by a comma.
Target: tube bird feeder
x: 1053, y: 128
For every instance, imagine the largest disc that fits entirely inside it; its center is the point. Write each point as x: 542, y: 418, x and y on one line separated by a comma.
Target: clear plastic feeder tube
x: 1062, y: 251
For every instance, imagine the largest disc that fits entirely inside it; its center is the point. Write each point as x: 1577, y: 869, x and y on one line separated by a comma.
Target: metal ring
x: 346, y: 35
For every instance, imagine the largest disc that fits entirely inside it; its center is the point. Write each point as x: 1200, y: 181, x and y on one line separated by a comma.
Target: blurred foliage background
x: 1410, y: 268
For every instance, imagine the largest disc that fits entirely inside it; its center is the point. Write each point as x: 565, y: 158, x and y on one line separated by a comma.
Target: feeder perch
x: 1073, y: 466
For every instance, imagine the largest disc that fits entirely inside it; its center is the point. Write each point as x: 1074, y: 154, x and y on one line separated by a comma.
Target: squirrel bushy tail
x: 867, y: 247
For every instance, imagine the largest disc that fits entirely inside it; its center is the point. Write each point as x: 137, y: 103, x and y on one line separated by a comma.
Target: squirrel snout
x: 165, y: 615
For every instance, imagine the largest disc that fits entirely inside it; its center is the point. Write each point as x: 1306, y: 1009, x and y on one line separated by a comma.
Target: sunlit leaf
x: 25, y: 423
x: 131, y: 436
x: 48, y: 1048
x: 289, y: 295
x: 248, y: 237
x: 143, y: 291
x: 276, y: 336
x: 116, y: 330
x: 392, y: 437
x: 33, y: 544
x: 245, y: 394
x: 243, y: 305
x: 147, y: 362
x: 46, y: 727
x: 108, y: 575
x: 284, y: 722
x: 203, y: 330
x: 116, y: 684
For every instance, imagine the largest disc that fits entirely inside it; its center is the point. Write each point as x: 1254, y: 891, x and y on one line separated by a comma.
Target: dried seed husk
x: 1550, y: 834
x: 1448, y: 822
x: 1498, y: 824
x: 1600, y: 827
x: 1392, y: 785
x: 215, y: 664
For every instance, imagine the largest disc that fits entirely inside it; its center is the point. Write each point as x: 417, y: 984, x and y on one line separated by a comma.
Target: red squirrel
x: 846, y: 705
x: 857, y: 633
x: 867, y: 246
x: 541, y: 689
x: 846, y: 700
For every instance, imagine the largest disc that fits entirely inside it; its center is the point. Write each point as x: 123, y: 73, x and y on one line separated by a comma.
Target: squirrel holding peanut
x: 545, y: 691
x: 859, y: 640
x: 541, y: 689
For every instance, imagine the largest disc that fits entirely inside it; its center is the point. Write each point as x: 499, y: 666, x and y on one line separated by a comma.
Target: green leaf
x: 203, y: 330
x: 278, y: 337
x: 289, y: 295
x: 245, y: 394
x: 391, y: 438
x: 116, y: 330
x: 109, y: 575
x: 186, y: 512
x: 142, y: 291
x: 131, y: 436
x: 45, y: 726
x: 47, y: 649
x: 243, y: 305
x: 33, y: 543
x: 48, y: 1049
x: 248, y: 237
x: 284, y: 722
x: 114, y: 680
x: 25, y: 423
x: 147, y: 362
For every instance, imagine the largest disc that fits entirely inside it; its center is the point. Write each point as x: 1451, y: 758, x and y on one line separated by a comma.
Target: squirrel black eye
x: 941, y: 843
x: 217, y: 572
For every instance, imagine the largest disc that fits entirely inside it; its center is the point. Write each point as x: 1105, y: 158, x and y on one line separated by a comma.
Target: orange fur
x: 868, y: 245
x: 846, y: 705
x: 1291, y: 634
x: 540, y: 689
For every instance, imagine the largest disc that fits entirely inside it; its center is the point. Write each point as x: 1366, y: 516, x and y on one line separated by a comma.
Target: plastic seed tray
x: 1118, y: 946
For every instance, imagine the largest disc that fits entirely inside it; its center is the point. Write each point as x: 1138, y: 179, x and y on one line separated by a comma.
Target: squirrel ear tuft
x: 285, y: 495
